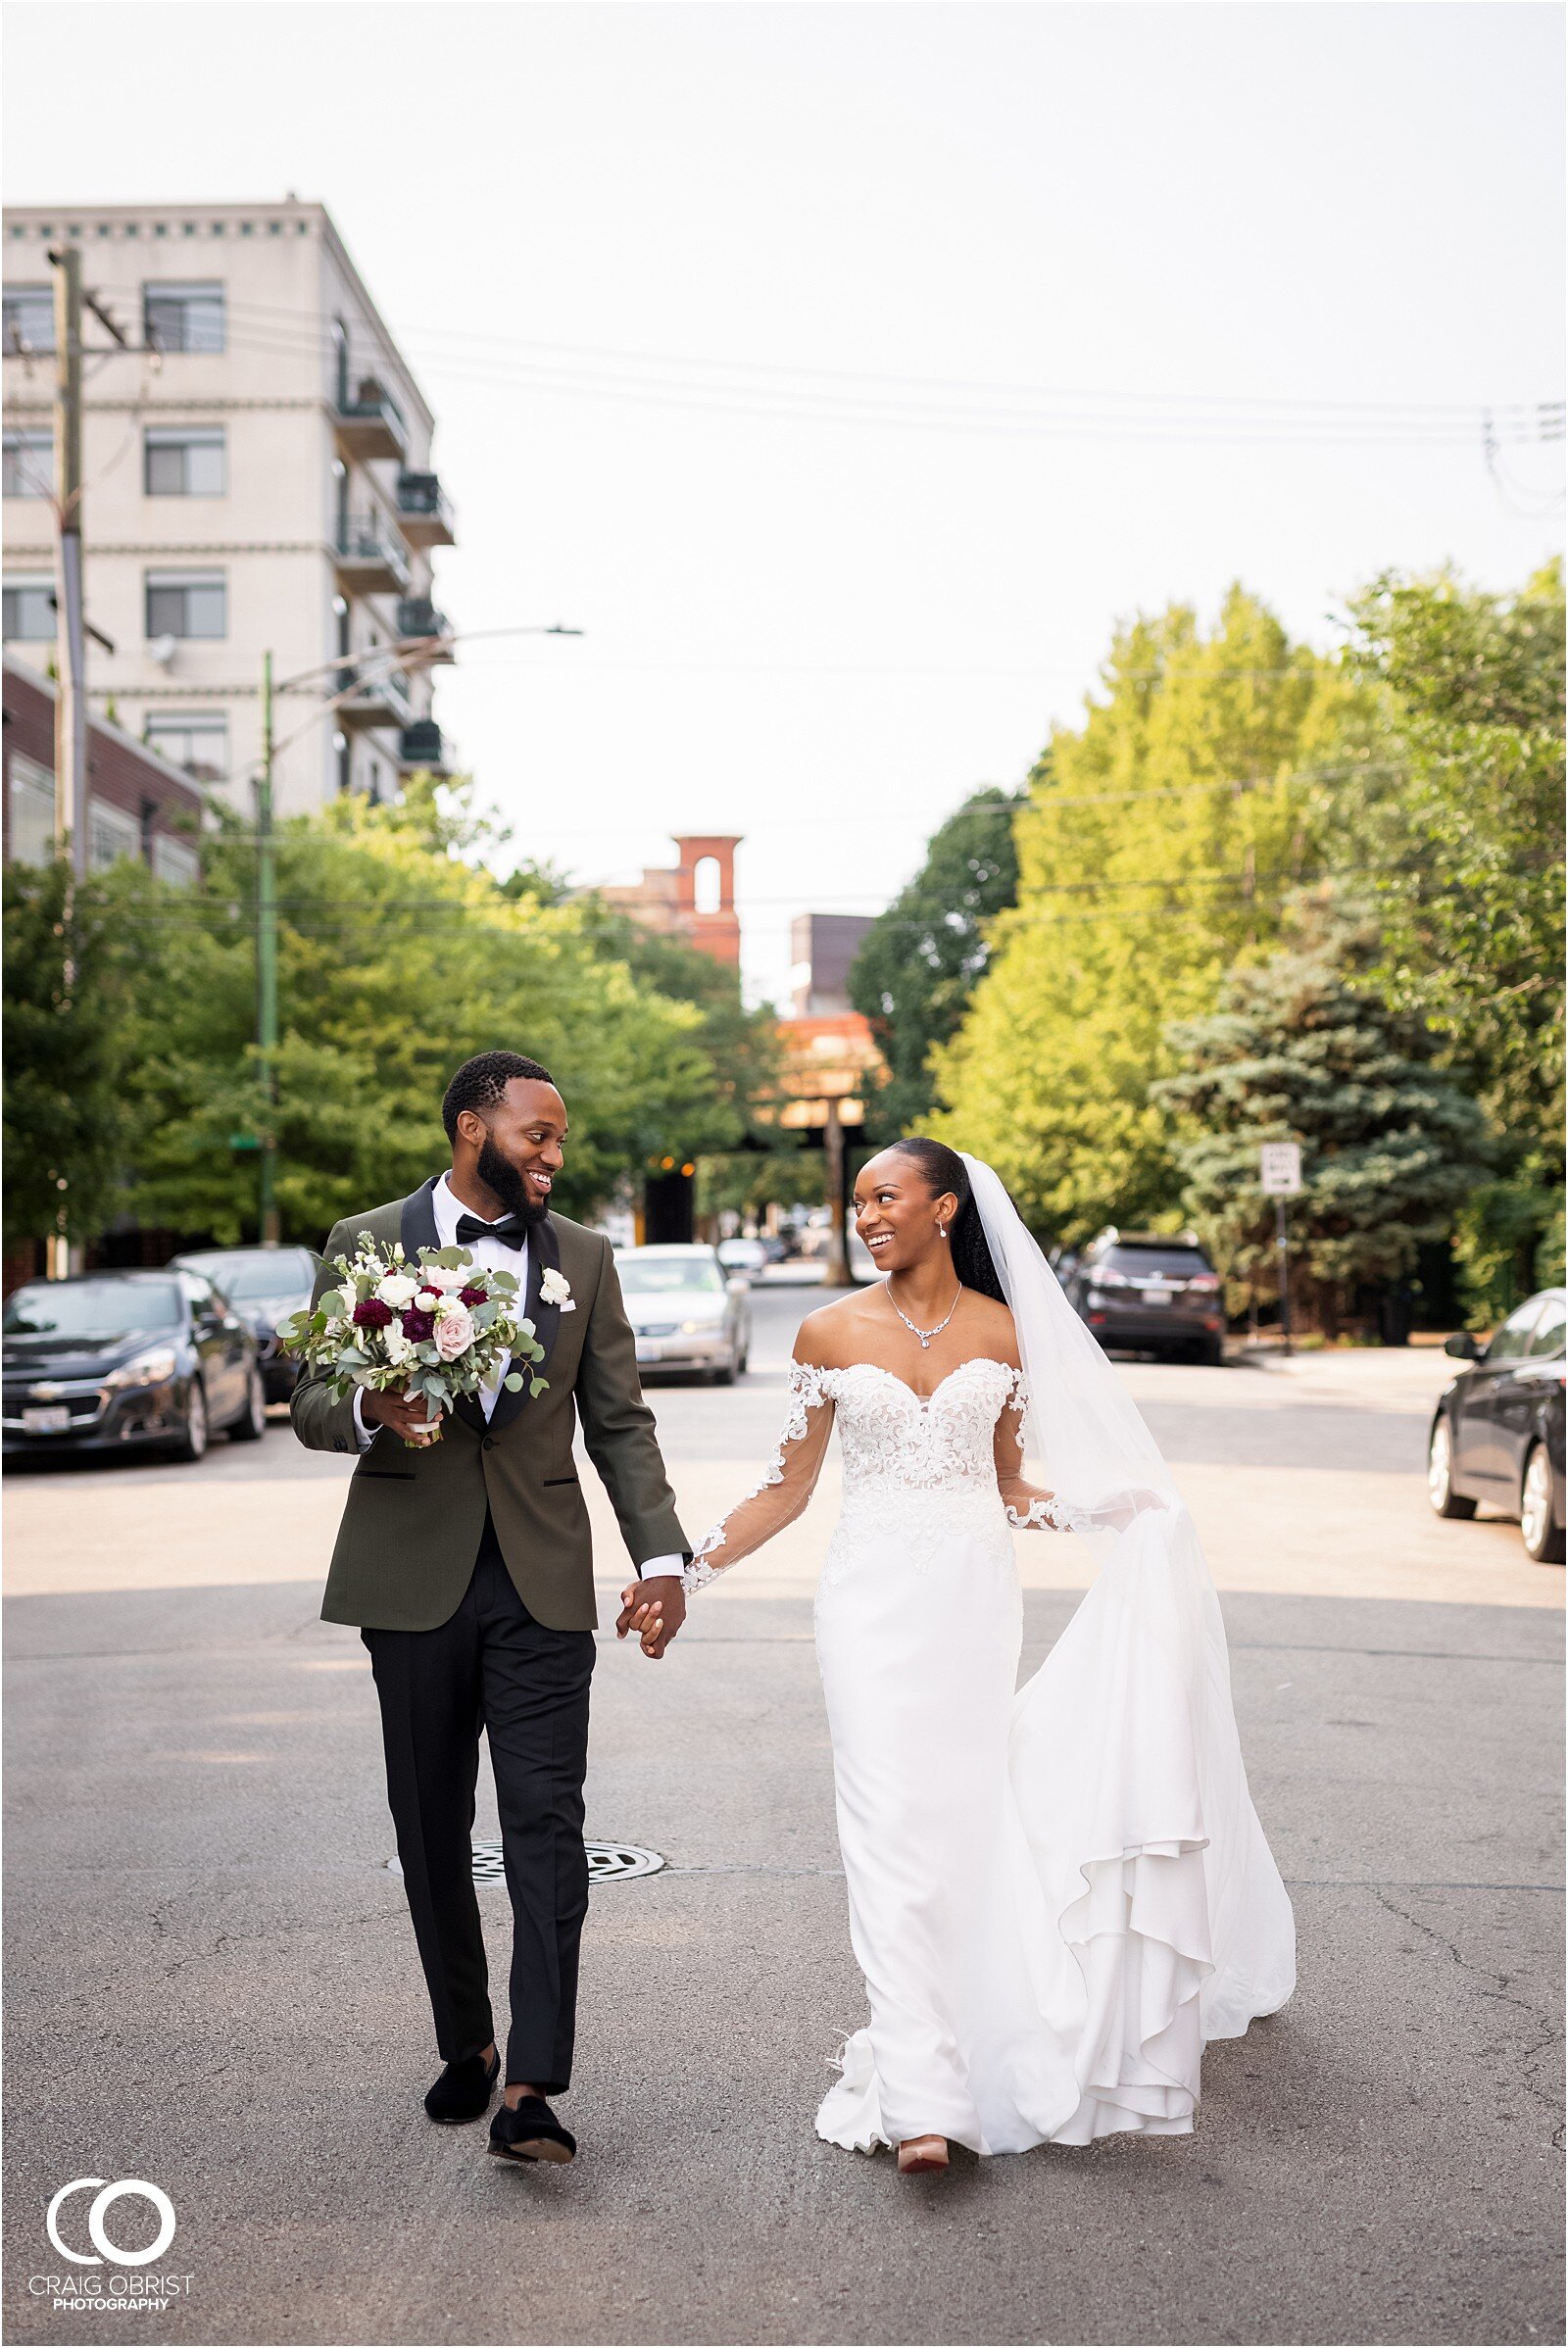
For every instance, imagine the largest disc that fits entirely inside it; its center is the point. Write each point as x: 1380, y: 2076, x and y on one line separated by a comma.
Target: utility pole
x: 70, y: 698
x: 266, y: 968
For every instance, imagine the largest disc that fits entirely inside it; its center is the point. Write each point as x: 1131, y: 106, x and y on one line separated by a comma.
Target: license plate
x: 1158, y: 1296
x: 51, y: 1419
x: 649, y: 1348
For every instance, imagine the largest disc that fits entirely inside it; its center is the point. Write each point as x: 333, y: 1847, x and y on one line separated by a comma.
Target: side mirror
x: 1463, y: 1346
x: 738, y: 1285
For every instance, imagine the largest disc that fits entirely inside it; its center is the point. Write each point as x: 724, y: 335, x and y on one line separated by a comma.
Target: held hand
x: 406, y: 1415
x: 655, y: 1610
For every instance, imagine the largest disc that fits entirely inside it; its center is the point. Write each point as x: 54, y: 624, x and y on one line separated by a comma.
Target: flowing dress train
x: 1055, y: 1896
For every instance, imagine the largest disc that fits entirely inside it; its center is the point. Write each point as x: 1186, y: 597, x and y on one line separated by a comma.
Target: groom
x: 467, y: 1566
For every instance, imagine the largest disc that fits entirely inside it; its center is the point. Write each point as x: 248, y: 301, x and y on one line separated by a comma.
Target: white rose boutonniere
x: 556, y: 1289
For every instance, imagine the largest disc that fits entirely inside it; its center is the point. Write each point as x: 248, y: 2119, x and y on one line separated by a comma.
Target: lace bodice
x: 896, y: 1441
x: 965, y: 1437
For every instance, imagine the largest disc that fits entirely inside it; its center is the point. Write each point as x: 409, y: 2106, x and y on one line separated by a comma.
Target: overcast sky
x: 739, y: 322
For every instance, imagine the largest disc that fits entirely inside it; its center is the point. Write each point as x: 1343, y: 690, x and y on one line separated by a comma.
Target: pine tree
x: 1303, y: 1048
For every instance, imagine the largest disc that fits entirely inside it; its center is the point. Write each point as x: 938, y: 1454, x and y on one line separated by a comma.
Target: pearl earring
x: 942, y: 1231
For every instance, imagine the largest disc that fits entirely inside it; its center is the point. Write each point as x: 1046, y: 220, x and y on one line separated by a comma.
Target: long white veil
x: 1149, y: 1845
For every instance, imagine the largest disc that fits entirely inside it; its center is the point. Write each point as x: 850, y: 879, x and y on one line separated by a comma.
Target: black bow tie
x: 512, y: 1231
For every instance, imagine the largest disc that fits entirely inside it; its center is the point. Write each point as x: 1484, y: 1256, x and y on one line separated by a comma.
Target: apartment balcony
x: 380, y: 699
x: 422, y: 747
x: 423, y: 514
x: 418, y: 616
x: 368, y: 558
x: 369, y: 422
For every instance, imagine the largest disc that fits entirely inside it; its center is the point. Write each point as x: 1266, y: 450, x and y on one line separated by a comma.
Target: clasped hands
x: 655, y: 1610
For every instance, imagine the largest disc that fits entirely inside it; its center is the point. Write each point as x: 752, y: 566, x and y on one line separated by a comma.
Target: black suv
x: 1147, y: 1292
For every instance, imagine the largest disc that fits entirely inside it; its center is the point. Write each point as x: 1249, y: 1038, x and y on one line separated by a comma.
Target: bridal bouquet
x: 440, y: 1327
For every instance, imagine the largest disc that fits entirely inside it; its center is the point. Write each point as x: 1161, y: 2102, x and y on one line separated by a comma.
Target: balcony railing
x: 381, y: 698
x: 368, y: 555
x: 422, y: 747
x: 423, y: 512
x: 369, y: 422
x: 418, y: 616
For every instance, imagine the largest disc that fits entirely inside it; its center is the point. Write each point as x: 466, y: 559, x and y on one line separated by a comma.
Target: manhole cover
x: 608, y: 1862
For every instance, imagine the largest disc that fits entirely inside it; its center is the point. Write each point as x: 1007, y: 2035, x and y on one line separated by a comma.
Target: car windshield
x: 92, y: 1307
x: 246, y: 1272
x: 1548, y: 1337
x: 670, y: 1276
x: 1155, y: 1263
x: 1513, y: 1339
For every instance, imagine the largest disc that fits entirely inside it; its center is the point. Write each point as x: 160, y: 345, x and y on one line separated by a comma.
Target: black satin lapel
x: 419, y: 1220
x: 544, y: 1255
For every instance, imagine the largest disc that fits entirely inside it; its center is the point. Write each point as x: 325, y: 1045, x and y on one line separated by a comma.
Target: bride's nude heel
x: 917, y: 2154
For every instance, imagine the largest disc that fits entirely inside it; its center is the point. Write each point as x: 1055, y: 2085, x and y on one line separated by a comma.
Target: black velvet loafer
x: 530, y: 2132
x: 464, y: 2089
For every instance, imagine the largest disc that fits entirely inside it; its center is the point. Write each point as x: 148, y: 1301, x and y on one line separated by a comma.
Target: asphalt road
x: 213, y: 1984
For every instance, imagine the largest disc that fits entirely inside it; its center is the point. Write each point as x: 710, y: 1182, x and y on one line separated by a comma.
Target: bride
x: 1057, y: 1897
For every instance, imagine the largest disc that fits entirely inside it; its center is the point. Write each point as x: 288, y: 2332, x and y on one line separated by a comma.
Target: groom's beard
x: 500, y: 1177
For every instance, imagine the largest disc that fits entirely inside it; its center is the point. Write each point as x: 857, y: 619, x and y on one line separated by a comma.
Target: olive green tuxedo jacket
x: 412, y: 1522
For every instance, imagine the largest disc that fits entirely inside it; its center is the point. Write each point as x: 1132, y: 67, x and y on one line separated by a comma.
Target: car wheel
x: 192, y: 1444
x: 1212, y: 1353
x: 725, y: 1376
x: 1541, y: 1538
x: 1440, y: 1472
x: 251, y: 1425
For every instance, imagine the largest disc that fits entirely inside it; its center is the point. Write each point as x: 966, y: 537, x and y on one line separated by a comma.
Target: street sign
x: 243, y: 1141
x: 1281, y: 1169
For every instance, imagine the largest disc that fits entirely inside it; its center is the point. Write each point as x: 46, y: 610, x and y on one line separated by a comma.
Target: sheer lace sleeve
x: 787, y: 1485
x: 1029, y: 1506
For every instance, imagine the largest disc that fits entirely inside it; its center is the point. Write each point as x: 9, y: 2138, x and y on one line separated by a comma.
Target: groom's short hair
x: 480, y: 1082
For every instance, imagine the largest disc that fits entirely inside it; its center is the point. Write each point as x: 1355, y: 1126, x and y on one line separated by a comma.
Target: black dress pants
x: 493, y: 1667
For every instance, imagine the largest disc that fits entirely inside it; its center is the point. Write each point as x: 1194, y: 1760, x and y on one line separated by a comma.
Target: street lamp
x: 405, y: 647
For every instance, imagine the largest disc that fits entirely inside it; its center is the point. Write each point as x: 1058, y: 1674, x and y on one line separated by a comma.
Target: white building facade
x: 257, y: 477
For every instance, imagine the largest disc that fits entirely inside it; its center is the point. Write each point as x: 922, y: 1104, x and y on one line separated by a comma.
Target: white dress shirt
x: 447, y: 1208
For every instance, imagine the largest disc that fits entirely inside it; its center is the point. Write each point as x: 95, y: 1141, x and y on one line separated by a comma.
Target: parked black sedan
x: 113, y: 1360
x: 264, y: 1285
x: 1498, y: 1431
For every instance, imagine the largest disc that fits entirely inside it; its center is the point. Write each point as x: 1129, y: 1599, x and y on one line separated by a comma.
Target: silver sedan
x: 685, y: 1313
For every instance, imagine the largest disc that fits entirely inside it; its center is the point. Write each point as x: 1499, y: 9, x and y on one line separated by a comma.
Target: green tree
x: 920, y: 960
x: 1159, y: 846
x: 397, y: 959
x: 66, y: 983
x: 1454, y: 834
x: 1304, y: 1048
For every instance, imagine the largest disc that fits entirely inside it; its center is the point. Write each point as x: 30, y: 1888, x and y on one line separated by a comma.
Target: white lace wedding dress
x: 1048, y: 1925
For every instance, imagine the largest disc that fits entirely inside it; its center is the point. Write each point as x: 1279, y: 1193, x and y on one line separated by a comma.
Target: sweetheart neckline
x: 913, y: 1393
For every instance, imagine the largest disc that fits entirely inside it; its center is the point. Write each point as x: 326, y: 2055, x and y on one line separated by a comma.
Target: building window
x: 707, y: 886
x: 187, y: 602
x: 29, y: 464
x: 175, y: 861
x: 197, y: 740
x: 184, y: 461
x: 112, y: 833
x: 185, y: 318
x: 30, y: 318
x: 32, y: 812
x: 29, y: 611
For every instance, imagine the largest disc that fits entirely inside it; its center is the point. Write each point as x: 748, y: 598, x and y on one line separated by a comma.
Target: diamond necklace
x: 926, y: 1335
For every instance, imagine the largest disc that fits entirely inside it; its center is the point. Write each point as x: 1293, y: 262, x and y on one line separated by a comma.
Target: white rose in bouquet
x: 397, y: 1289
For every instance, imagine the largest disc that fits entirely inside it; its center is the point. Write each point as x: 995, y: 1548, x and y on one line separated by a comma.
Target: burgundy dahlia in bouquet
x: 441, y: 1327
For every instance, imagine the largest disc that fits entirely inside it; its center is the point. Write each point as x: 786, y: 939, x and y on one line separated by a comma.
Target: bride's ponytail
x: 944, y: 1170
